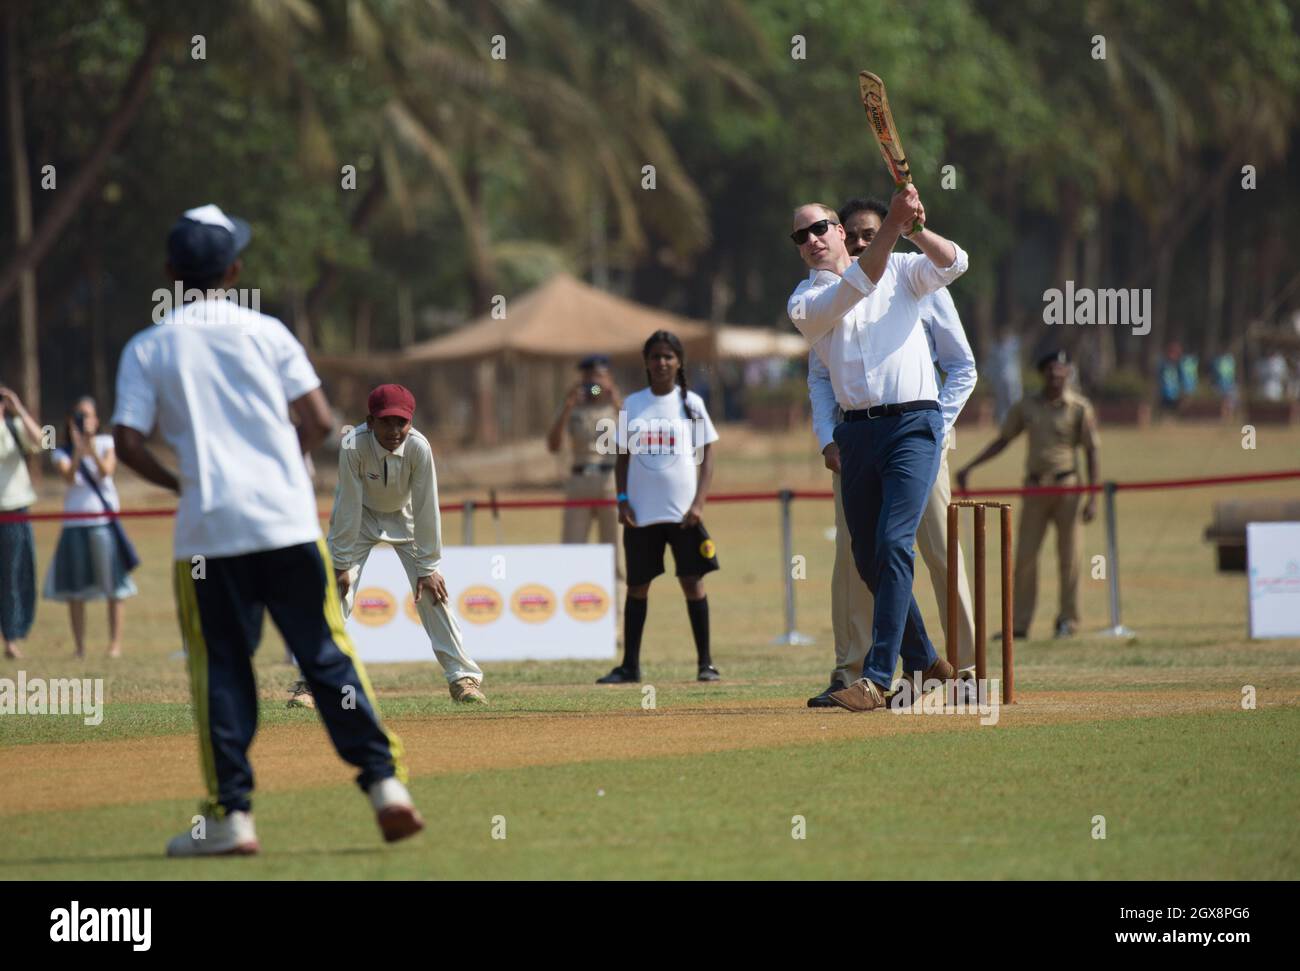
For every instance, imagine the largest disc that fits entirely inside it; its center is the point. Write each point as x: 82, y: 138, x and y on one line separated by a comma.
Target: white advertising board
x: 513, y: 603
x: 1273, y: 568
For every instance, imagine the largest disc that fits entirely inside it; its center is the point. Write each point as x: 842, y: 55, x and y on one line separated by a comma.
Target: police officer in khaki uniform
x: 1058, y: 421
x: 595, y: 399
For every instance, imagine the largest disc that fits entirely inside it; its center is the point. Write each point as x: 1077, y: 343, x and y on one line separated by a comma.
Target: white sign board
x: 1273, y: 567
x: 513, y: 603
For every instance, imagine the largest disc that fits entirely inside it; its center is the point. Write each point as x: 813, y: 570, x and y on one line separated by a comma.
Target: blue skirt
x: 86, y: 566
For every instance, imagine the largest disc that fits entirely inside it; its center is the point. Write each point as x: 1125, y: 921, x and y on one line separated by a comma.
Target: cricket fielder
x: 220, y: 383
x: 388, y: 493
x: 862, y: 317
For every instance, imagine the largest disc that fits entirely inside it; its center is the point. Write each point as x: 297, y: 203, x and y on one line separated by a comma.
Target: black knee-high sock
x: 699, y: 614
x: 634, y: 611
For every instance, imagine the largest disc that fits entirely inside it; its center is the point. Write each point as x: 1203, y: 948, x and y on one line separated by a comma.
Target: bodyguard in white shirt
x: 862, y: 317
x: 219, y: 382
x: 851, y: 600
x: 388, y: 493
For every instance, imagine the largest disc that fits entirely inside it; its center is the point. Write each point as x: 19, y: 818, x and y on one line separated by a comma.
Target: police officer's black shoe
x: 708, y: 673
x: 620, y: 675
x: 823, y: 700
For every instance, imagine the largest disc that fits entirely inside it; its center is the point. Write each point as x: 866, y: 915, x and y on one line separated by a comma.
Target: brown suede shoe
x: 940, y: 670
x: 861, y: 695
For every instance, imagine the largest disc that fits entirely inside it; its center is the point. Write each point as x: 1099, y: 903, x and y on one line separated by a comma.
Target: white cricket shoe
x: 394, y: 811
x: 231, y: 836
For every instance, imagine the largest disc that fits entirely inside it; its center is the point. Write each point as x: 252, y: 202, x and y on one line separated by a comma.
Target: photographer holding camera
x: 595, y: 398
x: 93, y: 560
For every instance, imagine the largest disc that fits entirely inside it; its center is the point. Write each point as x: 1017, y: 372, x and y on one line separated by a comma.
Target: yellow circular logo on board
x: 533, y: 603
x: 586, y: 601
x: 374, y: 606
x: 707, y: 549
x: 409, y: 605
x: 480, y: 605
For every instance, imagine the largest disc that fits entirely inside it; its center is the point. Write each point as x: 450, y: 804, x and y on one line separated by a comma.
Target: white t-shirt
x: 217, y: 379
x: 80, y: 497
x: 664, y: 449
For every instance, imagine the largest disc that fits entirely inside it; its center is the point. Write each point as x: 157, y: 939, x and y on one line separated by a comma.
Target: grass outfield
x: 1150, y: 734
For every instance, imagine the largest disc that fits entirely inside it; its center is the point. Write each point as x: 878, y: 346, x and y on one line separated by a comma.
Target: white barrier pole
x: 791, y: 635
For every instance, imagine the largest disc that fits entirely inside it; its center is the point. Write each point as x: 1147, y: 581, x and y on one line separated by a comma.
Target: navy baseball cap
x: 205, y: 241
x: 1051, y: 357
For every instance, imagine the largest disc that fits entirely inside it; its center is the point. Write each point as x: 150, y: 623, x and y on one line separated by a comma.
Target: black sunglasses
x: 800, y: 236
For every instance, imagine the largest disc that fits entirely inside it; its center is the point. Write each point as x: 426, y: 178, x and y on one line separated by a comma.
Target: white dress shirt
x: 389, y: 497
x: 868, y: 335
x: 948, y: 348
x: 217, y: 380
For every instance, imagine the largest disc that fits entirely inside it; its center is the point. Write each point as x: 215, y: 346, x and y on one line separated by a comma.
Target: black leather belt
x: 591, y: 469
x: 888, y: 411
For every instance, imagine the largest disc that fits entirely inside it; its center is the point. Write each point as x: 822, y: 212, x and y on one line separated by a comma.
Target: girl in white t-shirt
x: 665, y: 465
x: 86, y: 564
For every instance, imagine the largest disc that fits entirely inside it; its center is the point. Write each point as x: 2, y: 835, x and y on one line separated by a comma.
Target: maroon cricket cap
x: 391, y: 399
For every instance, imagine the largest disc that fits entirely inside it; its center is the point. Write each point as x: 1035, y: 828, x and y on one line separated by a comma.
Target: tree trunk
x: 1159, y: 307
x: 98, y: 338
x: 307, y: 325
x: 361, y: 327
x: 1090, y: 272
x: 1215, y: 277
x: 405, y: 317
x: 69, y: 198
x: 28, y: 350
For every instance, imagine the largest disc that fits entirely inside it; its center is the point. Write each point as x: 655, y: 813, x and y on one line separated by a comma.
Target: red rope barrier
x: 737, y: 497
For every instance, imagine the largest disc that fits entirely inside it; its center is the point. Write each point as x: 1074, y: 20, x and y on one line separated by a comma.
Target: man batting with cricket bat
x: 863, y: 319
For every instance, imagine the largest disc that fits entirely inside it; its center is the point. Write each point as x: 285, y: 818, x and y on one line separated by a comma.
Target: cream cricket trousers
x: 437, y: 618
x: 852, y: 605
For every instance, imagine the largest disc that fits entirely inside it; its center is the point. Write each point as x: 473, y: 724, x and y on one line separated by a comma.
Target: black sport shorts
x: 693, y: 551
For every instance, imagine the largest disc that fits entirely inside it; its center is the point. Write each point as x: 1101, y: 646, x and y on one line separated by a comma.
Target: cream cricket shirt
x: 384, y: 496
x: 217, y: 379
x: 15, y: 484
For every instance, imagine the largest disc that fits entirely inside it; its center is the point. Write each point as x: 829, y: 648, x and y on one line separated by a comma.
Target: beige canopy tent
x: 502, y: 376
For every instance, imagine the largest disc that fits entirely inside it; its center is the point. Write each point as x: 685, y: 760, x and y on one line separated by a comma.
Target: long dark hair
x: 673, y: 341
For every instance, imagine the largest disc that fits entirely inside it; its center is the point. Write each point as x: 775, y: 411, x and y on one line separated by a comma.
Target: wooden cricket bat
x: 876, y: 103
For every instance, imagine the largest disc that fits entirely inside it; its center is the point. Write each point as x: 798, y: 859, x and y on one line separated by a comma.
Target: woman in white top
x: 87, y: 564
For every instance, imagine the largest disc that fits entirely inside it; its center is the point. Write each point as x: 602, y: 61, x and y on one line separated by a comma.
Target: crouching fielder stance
x: 863, y: 320
x: 388, y: 493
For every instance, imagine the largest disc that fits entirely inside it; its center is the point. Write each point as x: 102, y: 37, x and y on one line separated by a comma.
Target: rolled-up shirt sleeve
x: 345, y: 519
x: 953, y: 352
x: 424, y: 512
x: 820, y: 302
x: 921, y: 276
x: 825, y: 409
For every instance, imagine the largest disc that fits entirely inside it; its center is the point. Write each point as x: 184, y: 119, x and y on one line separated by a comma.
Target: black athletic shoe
x: 823, y: 700
x: 620, y: 675
x: 708, y: 673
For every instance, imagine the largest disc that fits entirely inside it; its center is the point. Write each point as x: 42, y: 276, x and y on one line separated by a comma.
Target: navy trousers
x: 221, y: 613
x: 887, y: 467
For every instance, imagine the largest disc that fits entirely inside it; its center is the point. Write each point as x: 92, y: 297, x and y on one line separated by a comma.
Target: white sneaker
x: 232, y: 836
x: 394, y: 810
